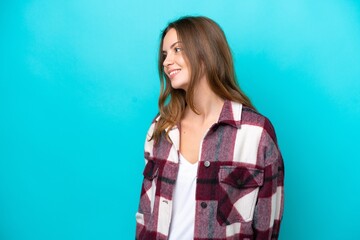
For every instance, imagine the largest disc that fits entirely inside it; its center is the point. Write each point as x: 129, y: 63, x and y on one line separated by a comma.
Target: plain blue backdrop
x: 79, y: 88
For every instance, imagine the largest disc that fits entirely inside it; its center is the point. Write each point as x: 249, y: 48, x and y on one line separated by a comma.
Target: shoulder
x: 253, y: 118
x: 149, y: 141
x: 250, y: 116
x: 152, y: 125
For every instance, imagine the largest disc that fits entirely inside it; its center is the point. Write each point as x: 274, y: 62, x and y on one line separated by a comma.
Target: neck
x: 206, y: 102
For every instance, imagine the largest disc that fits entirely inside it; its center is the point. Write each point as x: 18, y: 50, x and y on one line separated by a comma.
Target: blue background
x: 79, y: 88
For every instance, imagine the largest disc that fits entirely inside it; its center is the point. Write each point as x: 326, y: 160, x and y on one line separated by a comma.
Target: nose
x: 169, y: 59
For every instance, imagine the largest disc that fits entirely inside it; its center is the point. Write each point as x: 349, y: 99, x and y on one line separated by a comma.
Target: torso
x: 192, y: 133
x: 190, y: 138
x: 184, y: 204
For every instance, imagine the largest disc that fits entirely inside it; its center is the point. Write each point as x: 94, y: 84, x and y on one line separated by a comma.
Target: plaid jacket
x: 239, y: 191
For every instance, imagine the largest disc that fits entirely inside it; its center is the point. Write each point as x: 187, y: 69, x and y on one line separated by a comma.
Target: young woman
x: 213, y: 167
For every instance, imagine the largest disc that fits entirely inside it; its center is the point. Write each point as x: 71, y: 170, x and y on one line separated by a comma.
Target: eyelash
x: 176, y: 50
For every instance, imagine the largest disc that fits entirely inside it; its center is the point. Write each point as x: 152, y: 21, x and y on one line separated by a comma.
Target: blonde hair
x: 204, y: 44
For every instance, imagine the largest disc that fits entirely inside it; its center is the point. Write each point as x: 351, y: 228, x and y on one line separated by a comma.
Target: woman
x: 213, y: 168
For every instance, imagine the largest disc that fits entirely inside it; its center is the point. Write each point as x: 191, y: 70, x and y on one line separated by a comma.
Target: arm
x: 269, y: 208
x: 145, y: 189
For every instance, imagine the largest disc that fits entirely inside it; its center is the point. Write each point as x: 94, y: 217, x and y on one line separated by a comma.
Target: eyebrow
x: 172, y: 45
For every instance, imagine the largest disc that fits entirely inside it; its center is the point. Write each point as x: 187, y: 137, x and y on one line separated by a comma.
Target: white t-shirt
x: 183, y: 214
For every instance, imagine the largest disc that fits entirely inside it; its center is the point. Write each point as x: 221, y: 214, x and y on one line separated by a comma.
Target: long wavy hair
x: 206, y: 51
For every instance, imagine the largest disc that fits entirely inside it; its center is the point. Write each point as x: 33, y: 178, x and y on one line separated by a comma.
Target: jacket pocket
x: 237, y: 195
x: 148, y: 191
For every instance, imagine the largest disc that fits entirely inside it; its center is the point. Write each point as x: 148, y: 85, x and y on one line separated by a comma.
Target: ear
x: 202, y: 70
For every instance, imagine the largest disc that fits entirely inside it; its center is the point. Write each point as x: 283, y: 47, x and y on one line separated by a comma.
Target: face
x: 175, y: 66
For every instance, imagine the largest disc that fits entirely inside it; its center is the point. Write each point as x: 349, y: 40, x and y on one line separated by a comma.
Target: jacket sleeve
x: 145, y: 201
x: 269, y: 208
x: 140, y: 217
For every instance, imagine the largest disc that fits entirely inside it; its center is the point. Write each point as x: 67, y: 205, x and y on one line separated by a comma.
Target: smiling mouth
x: 173, y: 73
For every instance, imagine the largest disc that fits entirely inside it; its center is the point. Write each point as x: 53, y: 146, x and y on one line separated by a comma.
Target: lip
x: 173, y: 72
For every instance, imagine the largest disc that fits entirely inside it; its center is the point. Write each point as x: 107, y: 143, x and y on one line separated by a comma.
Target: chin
x: 179, y: 86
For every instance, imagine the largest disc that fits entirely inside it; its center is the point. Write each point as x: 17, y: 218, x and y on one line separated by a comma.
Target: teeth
x: 174, y: 72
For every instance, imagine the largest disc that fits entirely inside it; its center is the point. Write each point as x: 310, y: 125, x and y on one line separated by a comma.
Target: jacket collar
x: 230, y: 114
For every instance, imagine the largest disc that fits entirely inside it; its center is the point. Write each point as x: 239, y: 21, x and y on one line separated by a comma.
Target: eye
x: 178, y: 49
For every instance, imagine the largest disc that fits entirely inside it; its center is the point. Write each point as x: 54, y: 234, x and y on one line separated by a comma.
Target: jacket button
x: 207, y: 164
x: 203, y: 204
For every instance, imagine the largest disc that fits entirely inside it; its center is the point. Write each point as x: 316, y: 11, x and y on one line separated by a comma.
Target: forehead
x: 169, y: 39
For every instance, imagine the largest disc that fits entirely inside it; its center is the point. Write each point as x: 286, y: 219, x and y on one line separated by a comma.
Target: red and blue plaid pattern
x: 239, y: 191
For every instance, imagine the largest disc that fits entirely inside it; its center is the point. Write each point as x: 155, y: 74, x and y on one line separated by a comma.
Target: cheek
x: 183, y: 61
